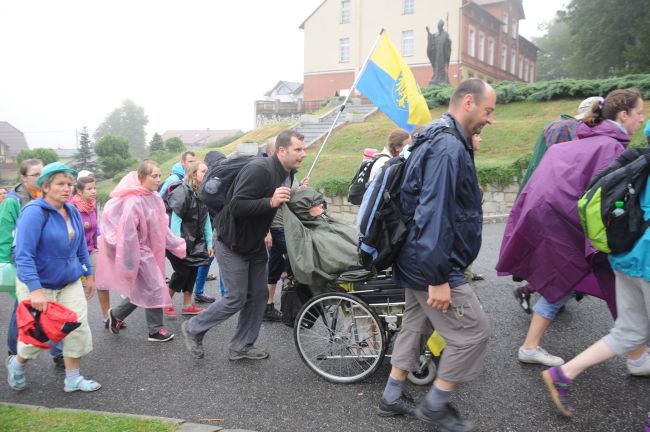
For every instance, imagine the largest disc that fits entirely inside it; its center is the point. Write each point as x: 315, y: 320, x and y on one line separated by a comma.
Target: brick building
x: 485, y: 40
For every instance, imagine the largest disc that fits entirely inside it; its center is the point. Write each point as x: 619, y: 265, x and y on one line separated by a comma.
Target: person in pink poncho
x: 135, y: 234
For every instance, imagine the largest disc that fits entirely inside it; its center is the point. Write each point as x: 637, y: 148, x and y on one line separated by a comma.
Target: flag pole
x: 338, y: 114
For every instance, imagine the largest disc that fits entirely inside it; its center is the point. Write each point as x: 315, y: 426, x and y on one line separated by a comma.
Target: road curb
x: 182, y: 425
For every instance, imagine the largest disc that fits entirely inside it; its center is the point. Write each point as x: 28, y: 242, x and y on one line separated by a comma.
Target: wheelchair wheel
x: 340, y: 338
x: 426, y: 372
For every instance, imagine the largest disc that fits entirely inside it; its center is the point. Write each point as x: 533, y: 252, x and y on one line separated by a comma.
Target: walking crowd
x: 63, y: 249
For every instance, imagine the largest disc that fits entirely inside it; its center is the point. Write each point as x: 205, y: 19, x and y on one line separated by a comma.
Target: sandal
x: 81, y: 383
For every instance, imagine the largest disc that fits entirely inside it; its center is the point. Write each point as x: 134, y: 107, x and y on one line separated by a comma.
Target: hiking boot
x: 447, y: 419
x: 402, y: 406
x: 161, y: 335
x: 191, y: 310
x: 194, y: 344
x: 254, y: 353
x: 114, y: 324
x: 271, y: 313
x: 80, y: 384
x: 539, y: 356
x: 15, y: 378
x: 523, y: 299
x: 558, y: 386
x: 203, y: 298
x: 58, y: 362
x: 170, y: 311
x: 642, y: 370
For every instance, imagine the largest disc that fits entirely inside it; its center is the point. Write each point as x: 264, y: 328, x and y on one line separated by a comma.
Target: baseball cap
x: 586, y: 105
x: 85, y: 173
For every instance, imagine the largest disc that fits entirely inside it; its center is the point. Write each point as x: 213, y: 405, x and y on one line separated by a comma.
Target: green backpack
x: 610, y: 211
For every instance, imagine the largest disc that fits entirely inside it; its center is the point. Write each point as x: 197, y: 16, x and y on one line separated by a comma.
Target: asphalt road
x: 282, y: 394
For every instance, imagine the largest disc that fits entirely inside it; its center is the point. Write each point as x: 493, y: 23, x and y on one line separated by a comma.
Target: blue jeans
x: 549, y: 310
x: 201, y: 277
x: 56, y: 350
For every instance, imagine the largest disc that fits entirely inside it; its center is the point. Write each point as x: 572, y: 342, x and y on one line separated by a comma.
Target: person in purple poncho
x: 544, y: 242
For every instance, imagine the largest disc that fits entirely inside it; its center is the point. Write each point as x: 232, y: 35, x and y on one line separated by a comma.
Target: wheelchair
x: 343, y: 336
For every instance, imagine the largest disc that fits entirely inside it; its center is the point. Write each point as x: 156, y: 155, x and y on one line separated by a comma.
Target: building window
x: 481, y: 47
x: 504, y: 58
x: 531, y: 73
x: 407, y: 43
x: 526, y: 77
x: 409, y: 7
x: 490, y: 55
x: 521, y: 68
x: 345, y: 11
x: 344, y: 50
x: 513, y: 61
x: 471, y: 48
x: 514, y: 29
x: 505, y: 23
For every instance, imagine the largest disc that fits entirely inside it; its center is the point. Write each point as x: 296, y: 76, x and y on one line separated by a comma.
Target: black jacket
x: 441, y: 192
x: 245, y: 220
x: 185, y: 203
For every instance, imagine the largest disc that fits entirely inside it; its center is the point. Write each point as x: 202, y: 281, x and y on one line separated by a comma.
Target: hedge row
x: 508, y: 92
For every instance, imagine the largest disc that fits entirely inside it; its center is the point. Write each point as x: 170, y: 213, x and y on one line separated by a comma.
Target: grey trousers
x: 244, y: 278
x: 154, y: 316
x: 464, y: 327
x: 632, y: 326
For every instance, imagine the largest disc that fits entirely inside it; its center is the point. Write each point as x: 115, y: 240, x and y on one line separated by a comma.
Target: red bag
x: 36, y: 328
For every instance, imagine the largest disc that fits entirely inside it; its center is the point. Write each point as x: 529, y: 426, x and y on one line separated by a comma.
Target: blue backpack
x: 381, y: 223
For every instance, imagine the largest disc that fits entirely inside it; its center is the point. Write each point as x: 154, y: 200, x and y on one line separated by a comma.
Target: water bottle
x: 618, y: 209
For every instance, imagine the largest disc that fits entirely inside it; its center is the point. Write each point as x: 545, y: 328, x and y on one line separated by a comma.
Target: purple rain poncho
x: 543, y: 242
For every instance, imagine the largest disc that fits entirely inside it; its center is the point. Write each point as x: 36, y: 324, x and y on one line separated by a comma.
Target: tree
x: 85, y: 157
x: 174, y: 145
x: 113, y: 155
x: 128, y: 121
x: 45, y: 154
x: 555, y: 49
x: 607, y: 37
x: 156, y: 145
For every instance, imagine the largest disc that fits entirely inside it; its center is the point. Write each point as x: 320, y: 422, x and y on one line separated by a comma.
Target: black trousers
x: 184, y: 276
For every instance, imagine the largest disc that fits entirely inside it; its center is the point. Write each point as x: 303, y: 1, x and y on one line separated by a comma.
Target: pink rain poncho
x: 135, y: 234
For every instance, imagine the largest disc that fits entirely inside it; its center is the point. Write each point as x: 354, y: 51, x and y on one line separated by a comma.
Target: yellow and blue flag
x: 389, y: 84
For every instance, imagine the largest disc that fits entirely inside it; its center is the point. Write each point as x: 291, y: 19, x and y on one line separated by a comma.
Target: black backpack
x: 610, y: 209
x: 218, y: 181
x: 168, y: 193
x: 381, y: 223
x: 360, y: 181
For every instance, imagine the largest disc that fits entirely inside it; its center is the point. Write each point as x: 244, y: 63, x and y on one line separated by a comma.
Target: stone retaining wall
x: 497, y: 203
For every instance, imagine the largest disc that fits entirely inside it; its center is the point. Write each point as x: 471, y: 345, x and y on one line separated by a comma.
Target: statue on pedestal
x: 439, y: 53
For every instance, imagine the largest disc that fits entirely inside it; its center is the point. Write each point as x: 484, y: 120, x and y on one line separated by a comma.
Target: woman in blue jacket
x: 51, y: 257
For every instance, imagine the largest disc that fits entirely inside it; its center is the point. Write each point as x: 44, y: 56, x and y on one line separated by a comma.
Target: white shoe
x: 539, y: 356
x: 643, y: 370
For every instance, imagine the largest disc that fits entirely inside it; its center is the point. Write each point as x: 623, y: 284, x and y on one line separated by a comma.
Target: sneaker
x: 58, y: 362
x: 523, y: 299
x: 646, y: 427
x: 121, y: 328
x: 15, y: 378
x: 211, y: 277
x: 114, y: 324
x: 80, y: 384
x: 161, y: 335
x: 272, y: 314
x: 169, y: 311
x: 402, y: 406
x: 642, y: 370
x: 194, y: 344
x: 254, y: 353
x: 191, y: 310
x: 446, y: 419
x: 539, y: 356
x: 202, y: 298
x: 558, y: 386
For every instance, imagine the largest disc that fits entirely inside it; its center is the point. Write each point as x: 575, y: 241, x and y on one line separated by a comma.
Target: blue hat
x: 54, y: 168
x: 646, y: 131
